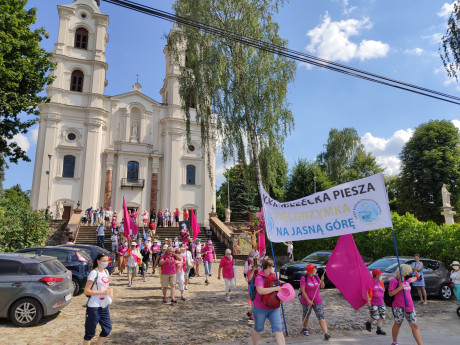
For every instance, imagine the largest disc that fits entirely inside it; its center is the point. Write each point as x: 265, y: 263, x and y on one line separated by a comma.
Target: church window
x: 191, y: 174
x: 68, y: 168
x: 76, y: 81
x: 81, y: 38
x: 191, y: 148
x: 133, y: 171
x: 71, y: 136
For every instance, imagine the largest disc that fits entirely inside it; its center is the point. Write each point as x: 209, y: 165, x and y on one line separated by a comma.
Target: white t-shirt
x: 114, y: 239
x: 121, y: 228
x: 188, y: 257
x: 455, y: 276
x: 101, y: 284
x: 131, y: 262
x: 101, y: 230
x: 290, y: 248
x: 198, y: 250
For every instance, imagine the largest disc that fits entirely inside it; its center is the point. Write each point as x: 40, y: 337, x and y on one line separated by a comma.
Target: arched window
x: 68, y: 168
x: 81, y: 38
x: 191, y: 174
x: 133, y: 171
x: 76, y: 81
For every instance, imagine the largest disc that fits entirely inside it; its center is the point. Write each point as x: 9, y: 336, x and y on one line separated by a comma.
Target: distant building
x: 100, y: 148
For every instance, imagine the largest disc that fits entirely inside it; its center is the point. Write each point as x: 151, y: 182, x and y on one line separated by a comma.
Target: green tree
x: 244, y: 86
x: 20, y: 225
x: 392, y: 183
x: 23, y: 74
x: 345, y: 159
x: 428, y: 160
x: 301, y: 181
x: 449, y: 51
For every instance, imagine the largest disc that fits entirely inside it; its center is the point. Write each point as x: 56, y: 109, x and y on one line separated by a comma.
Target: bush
x: 441, y: 242
x: 20, y: 225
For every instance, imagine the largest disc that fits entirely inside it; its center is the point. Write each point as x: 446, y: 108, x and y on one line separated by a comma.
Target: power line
x: 286, y: 52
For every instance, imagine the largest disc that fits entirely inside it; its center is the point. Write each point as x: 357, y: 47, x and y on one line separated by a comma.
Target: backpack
x: 270, y: 300
x: 94, y: 282
x: 387, y: 298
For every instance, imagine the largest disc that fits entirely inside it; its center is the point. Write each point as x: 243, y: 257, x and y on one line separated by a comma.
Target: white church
x: 97, y: 149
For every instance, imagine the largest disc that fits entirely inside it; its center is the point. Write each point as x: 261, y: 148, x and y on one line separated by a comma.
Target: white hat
x: 133, y: 243
x: 455, y: 263
x: 165, y: 247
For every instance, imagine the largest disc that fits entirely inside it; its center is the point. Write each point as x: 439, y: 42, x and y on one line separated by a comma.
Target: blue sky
x: 397, y: 39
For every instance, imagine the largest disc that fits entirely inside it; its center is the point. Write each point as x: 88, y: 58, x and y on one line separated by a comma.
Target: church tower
x: 71, y: 126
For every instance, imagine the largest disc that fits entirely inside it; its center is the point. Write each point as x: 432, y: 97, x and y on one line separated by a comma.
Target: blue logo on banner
x: 269, y: 223
x: 367, y: 211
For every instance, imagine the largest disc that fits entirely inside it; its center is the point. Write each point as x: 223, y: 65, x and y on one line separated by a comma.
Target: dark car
x: 293, y: 271
x: 93, y: 251
x: 435, y: 273
x: 74, y: 259
x: 31, y: 287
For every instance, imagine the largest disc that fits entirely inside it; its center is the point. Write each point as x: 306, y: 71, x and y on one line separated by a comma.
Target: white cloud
x: 22, y: 141
x: 433, y: 38
x: 331, y: 40
x: 386, y: 151
x: 305, y: 65
x: 415, y: 51
x: 34, y: 135
x: 456, y: 123
x: 446, y: 10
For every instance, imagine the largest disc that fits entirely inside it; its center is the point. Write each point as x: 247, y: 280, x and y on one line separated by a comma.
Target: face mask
x: 228, y: 255
x: 456, y: 268
x: 272, y: 270
x: 125, y: 244
x: 103, y: 264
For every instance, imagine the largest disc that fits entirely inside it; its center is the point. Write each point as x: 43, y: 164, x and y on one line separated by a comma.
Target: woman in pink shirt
x: 311, y: 299
x: 208, y: 253
x: 168, y: 273
x: 180, y: 269
x: 260, y: 311
x: 226, y: 268
x: 376, y: 303
x: 400, y: 311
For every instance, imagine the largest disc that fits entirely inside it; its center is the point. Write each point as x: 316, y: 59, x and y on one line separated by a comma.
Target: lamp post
x: 314, y: 184
x: 49, y: 175
x: 227, y: 210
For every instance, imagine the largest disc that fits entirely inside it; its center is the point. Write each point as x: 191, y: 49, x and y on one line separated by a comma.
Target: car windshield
x: 388, y: 265
x: 85, y: 254
x: 317, y: 257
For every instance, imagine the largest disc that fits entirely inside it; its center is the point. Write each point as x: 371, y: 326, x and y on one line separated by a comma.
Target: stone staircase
x: 88, y: 235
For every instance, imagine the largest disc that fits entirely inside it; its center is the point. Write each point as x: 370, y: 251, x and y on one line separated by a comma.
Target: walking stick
x: 311, y: 305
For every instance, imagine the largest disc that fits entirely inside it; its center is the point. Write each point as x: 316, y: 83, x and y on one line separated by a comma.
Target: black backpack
x: 387, y: 298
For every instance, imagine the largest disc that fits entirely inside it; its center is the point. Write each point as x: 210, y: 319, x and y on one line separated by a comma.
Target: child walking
x: 376, y: 303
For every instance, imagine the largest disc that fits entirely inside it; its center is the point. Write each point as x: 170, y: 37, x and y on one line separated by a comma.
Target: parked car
x: 92, y: 251
x: 435, y: 273
x: 74, y: 259
x: 31, y: 287
x: 293, y: 271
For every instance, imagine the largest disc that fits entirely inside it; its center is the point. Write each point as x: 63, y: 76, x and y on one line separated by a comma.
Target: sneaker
x: 305, y: 331
x: 129, y: 284
x: 183, y: 298
x: 368, y: 326
x: 326, y: 336
x: 173, y: 301
x: 227, y: 299
x: 186, y: 287
x: 394, y: 343
x: 164, y: 300
x: 379, y: 331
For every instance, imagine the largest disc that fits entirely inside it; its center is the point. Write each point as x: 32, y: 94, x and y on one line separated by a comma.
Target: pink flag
x: 129, y: 224
x: 347, y: 270
x: 261, y: 242
x: 195, y: 228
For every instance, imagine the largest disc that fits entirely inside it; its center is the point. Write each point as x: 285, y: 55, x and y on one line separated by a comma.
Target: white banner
x: 352, y: 207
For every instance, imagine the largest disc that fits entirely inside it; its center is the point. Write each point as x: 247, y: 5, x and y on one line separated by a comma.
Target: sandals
x: 305, y: 331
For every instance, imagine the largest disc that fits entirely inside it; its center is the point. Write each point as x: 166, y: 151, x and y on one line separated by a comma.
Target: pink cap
x: 209, y: 242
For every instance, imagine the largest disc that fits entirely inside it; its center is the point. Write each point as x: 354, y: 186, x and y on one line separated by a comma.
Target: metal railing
x: 139, y: 183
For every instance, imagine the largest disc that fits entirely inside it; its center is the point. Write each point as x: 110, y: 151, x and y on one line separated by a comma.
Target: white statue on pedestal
x: 445, y: 196
x: 59, y: 210
x: 446, y: 206
x: 135, y: 132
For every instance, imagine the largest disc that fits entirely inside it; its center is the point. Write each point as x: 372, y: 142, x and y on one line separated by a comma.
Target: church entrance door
x: 67, y: 211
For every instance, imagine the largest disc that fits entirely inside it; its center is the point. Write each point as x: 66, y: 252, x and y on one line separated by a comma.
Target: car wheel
x: 76, y: 286
x: 26, y: 312
x: 445, y: 292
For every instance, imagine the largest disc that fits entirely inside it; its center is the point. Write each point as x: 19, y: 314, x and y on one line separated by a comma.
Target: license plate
x: 69, y: 296
x: 282, y: 276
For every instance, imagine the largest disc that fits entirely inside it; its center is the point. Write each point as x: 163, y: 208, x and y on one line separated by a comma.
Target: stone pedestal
x: 448, y: 214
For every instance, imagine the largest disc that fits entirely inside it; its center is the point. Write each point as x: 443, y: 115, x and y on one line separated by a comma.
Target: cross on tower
x: 137, y: 78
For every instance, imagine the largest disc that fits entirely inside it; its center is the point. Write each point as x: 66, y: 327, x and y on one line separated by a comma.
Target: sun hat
x: 286, y: 293
x: 376, y: 272
x: 310, y: 268
x: 209, y: 242
x: 455, y: 263
x: 165, y: 247
x: 133, y: 243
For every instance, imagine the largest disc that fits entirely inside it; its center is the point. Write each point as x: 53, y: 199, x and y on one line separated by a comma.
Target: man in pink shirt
x: 209, y: 254
x: 226, y: 268
x: 168, y: 273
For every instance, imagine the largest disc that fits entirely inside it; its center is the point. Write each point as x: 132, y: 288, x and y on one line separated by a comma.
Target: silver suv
x: 31, y: 287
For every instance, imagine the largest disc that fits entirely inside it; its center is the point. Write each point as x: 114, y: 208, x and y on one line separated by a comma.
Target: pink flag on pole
x: 347, y: 270
x: 195, y: 228
x: 129, y: 224
x: 261, y: 242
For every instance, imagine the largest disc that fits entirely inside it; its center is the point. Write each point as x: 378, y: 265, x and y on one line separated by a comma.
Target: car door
x: 13, y: 279
x: 432, y: 276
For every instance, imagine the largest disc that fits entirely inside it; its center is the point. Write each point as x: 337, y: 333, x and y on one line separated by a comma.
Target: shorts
x: 168, y: 280
x: 318, y: 308
x: 260, y: 315
x: 106, y: 219
x: 198, y: 260
x: 132, y: 271
x: 378, y: 311
x: 114, y: 247
x: 399, y: 314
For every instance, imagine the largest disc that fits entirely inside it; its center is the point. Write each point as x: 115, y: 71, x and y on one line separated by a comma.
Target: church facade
x: 97, y: 149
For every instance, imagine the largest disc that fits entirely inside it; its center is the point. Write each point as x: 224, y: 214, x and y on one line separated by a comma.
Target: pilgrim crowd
x: 178, y: 260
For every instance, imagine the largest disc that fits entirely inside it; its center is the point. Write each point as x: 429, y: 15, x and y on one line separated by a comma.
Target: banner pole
x: 399, y: 265
x: 276, y: 274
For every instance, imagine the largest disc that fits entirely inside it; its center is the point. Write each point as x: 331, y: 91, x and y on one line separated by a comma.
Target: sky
x: 393, y: 38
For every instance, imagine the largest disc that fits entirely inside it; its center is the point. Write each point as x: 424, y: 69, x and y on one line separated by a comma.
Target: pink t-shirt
x: 398, y: 301
x: 258, y: 300
x: 377, y: 293
x: 122, y: 250
x: 311, y: 285
x: 180, y: 265
x: 208, y: 253
x: 169, y: 266
x: 156, y: 248
x: 227, y: 267
x: 114, y: 224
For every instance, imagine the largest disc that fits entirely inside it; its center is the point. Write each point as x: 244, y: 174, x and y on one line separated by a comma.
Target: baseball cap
x: 376, y: 271
x: 310, y: 268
